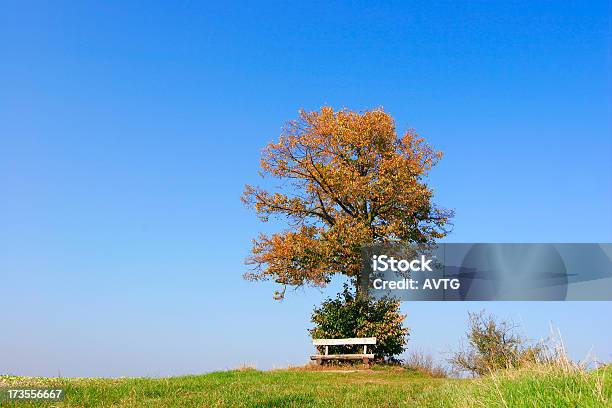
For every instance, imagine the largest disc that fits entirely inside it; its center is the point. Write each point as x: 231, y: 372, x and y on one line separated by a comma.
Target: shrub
x: 494, y: 345
x: 347, y: 316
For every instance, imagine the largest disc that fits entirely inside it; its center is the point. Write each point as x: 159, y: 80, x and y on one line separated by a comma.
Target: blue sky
x: 127, y: 132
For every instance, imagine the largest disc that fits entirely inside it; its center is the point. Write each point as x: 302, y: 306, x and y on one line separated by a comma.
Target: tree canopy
x: 349, y: 180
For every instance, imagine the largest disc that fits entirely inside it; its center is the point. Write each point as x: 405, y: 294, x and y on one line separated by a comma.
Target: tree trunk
x: 361, y: 286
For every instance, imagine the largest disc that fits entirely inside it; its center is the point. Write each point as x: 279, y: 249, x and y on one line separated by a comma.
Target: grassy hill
x: 379, y: 387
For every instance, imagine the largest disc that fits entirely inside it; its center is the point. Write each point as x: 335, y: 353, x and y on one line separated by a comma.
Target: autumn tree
x: 349, y: 180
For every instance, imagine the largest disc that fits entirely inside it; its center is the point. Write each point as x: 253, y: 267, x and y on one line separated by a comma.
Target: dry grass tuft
x: 424, y: 363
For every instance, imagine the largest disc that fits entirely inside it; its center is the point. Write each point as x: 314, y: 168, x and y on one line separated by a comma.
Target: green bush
x: 494, y: 345
x: 347, y: 316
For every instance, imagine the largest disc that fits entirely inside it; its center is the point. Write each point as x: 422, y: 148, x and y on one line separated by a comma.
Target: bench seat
x: 341, y: 356
x: 359, y: 341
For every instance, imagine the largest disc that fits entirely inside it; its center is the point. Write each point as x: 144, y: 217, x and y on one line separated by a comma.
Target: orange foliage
x: 352, y: 181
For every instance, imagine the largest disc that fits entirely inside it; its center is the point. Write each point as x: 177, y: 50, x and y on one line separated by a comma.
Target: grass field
x: 379, y: 387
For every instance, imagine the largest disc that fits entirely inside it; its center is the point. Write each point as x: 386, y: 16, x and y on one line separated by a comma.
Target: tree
x: 351, y: 181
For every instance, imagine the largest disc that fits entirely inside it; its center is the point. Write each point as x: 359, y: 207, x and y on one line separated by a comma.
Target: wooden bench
x: 364, y: 357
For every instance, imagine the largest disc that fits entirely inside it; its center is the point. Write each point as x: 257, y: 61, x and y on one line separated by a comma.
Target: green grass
x: 384, y: 387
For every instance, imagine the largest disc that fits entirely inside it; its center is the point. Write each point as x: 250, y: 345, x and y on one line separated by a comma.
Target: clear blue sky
x: 127, y: 132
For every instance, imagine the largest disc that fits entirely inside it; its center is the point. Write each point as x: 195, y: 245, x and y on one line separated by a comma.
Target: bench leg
x: 319, y: 361
x: 366, y: 362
